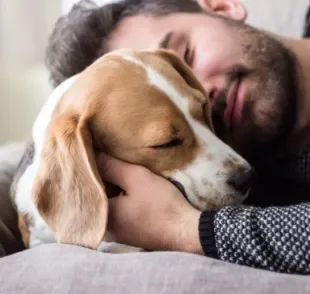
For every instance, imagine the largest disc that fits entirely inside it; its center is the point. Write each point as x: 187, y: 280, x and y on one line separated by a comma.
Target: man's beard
x: 270, y: 108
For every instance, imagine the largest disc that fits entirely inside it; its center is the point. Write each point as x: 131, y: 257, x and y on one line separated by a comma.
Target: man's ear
x: 185, y: 71
x: 68, y: 190
x: 233, y: 9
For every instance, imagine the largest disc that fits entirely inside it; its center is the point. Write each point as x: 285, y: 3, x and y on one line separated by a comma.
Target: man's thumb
x: 112, y: 170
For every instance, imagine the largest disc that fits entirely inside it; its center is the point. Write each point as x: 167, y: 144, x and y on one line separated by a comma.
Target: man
x: 270, y: 127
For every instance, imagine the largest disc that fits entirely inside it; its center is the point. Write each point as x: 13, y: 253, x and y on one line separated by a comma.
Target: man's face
x: 249, y: 76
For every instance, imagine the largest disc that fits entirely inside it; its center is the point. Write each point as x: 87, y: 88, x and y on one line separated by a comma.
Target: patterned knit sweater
x: 275, y: 238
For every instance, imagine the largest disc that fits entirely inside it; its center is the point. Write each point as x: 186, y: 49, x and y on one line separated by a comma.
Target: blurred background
x: 25, y: 26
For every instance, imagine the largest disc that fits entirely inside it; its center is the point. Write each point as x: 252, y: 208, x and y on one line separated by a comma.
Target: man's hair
x: 80, y: 37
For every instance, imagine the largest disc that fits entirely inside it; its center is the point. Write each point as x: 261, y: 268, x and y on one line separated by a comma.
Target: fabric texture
x: 69, y: 269
x: 277, y: 239
x: 206, y: 233
x: 274, y: 238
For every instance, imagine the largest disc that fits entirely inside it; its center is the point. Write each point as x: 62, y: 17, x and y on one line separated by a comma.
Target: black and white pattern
x: 276, y: 239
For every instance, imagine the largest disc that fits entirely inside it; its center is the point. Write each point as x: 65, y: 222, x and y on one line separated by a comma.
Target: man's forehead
x: 144, y: 31
x: 138, y: 32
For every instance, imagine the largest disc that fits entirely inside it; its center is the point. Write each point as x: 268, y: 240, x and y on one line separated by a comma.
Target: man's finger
x: 113, y: 170
x: 117, y: 203
x: 120, y: 173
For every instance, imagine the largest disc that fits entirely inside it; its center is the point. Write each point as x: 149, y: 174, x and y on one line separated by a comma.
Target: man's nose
x: 211, y: 90
x: 214, y: 85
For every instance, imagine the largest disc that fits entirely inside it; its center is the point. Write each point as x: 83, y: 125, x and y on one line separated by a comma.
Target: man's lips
x: 234, y: 105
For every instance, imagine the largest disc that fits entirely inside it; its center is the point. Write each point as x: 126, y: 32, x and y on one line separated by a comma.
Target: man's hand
x: 152, y: 214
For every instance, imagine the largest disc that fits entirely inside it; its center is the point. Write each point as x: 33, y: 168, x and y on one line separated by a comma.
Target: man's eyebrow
x: 164, y: 43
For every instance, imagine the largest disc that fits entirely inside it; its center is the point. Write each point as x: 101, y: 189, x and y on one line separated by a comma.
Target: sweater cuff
x: 206, y: 233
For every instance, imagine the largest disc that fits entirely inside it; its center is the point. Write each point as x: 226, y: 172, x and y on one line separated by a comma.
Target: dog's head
x: 142, y: 107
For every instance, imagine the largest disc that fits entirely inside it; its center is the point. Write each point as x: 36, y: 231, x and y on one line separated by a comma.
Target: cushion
x: 69, y: 269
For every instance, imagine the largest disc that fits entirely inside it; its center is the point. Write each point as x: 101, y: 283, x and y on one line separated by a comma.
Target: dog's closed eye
x: 175, y: 142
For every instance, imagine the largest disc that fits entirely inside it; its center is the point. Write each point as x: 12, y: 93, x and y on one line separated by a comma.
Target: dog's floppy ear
x: 68, y: 190
x: 186, y: 73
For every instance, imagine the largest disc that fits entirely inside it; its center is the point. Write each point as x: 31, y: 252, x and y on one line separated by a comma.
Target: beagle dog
x: 143, y: 107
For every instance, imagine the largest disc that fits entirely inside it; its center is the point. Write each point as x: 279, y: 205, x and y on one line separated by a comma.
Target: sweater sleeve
x: 274, y: 238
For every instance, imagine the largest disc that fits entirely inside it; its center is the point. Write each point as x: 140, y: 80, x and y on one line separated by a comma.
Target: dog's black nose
x: 242, y: 180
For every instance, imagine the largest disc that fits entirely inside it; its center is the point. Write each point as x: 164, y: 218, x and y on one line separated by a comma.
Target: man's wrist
x: 188, y: 239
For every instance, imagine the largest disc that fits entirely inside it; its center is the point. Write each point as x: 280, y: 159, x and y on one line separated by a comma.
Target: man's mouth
x: 234, y: 105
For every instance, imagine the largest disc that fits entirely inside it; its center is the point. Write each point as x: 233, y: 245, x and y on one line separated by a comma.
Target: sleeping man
x: 269, y: 125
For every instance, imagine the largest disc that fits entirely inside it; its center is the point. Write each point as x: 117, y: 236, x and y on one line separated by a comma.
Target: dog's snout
x: 242, y: 181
